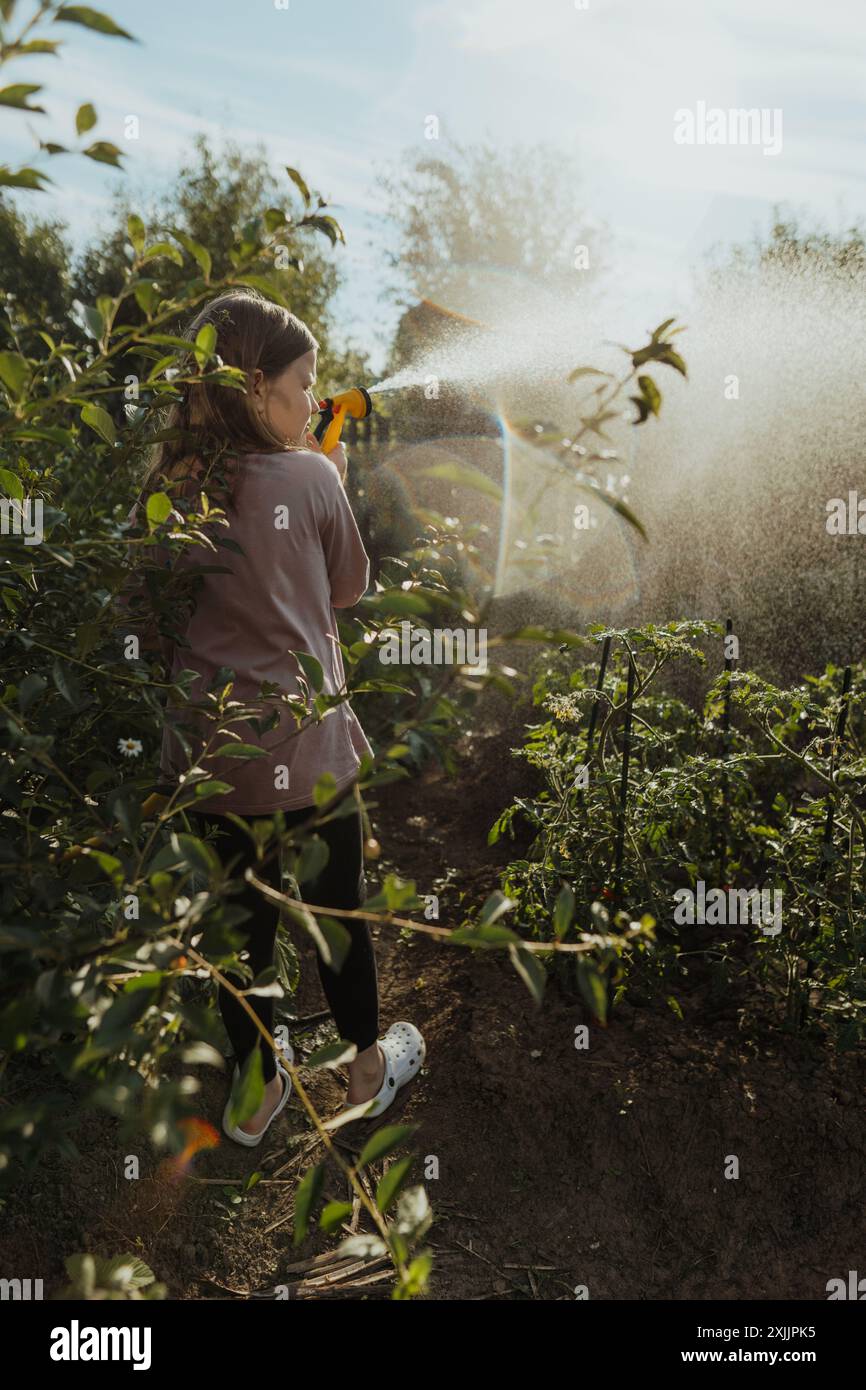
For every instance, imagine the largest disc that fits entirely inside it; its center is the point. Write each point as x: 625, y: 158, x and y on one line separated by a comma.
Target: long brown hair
x: 214, y: 421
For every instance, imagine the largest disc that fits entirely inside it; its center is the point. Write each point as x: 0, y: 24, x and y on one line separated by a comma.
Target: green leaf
x: 117, y: 1022
x: 264, y: 286
x: 299, y: 183
x: 673, y: 359
x: 66, y: 684
x: 392, y: 1181
x: 135, y: 230
x: 100, y: 421
x: 585, y: 371
x: 266, y: 985
x: 110, y: 865
x: 186, y: 850
x: 339, y: 941
x: 159, y: 509
x: 495, y: 905
x: 17, y: 95
x: 23, y: 178
x: 30, y: 689
x: 94, y: 326
x: 418, y: 1274
x: 659, y: 332
x: 34, y: 45
x: 651, y: 393
x: 11, y: 484
x: 465, y: 476
x: 617, y: 505
x: 85, y: 118
x: 147, y: 296
x: 383, y: 1142
x: 248, y: 1094
x: 14, y: 373
x: 329, y: 225
x: 484, y: 935
x: 398, y: 602
x: 205, y: 344
x: 213, y: 787
x: 197, y: 251
x: 91, y: 19
x: 311, y: 668
x: 125, y: 808
x: 593, y: 988
x: 334, y: 1054
x: 530, y: 970
x: 306, y: 1197
x: 563, y: 911
x: 659, y: 352
x: 557, y: 636
x: 125, y: 1271
x: 333, y: 1215
x: 324, y: 790
x: 274, y: 218
x: 162, y: 248
x: 239, y: 750
x: 104, y: 153
x: 312, y: 859
x: 397, y: 894
x: 53, y: 433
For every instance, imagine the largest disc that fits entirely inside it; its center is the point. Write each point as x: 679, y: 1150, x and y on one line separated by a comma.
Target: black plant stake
x: 623, y: 785
x: 726, y: 743
x: 593, y: 714
x: 827, y: 838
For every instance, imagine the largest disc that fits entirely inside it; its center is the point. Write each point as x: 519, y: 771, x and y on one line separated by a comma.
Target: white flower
x: 129, y: 747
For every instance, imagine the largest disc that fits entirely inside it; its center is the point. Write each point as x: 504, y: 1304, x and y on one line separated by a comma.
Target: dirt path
x: 606, y: 1166
x: 547, y: 1167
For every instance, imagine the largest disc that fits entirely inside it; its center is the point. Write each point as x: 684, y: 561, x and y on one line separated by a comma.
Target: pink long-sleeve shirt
x: 302, y: 558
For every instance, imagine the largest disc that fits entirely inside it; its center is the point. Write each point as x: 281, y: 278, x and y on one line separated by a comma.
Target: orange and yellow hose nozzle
x: 334, y: 412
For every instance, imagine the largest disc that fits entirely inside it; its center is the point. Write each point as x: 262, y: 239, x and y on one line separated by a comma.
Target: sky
x: 343, y: 90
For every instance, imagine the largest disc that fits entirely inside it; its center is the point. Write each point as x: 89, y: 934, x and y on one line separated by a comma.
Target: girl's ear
x: 258, y: 389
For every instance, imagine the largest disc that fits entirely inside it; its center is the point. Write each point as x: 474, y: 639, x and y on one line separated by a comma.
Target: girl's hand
x: 337, y: 454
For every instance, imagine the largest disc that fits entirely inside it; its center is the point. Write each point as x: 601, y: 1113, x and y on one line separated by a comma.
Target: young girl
x: 301, y: 556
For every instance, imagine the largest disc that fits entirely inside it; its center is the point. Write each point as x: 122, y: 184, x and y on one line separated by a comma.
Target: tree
x: 790, y: 246
x: 35, y: 258
x: 477, y: 211
x: 483, y: 234
x: 214, y: 196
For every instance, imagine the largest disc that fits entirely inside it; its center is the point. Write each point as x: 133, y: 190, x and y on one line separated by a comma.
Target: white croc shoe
x: 404, y: 1050
x: 240, y: 1136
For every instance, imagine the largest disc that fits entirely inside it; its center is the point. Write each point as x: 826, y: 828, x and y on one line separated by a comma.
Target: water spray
x: 357, y: 402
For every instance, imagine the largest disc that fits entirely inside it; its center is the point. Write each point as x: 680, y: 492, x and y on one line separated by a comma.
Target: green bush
x: 748, y: 809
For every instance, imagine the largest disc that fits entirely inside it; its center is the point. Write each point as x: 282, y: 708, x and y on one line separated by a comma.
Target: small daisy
x: 129, y: 747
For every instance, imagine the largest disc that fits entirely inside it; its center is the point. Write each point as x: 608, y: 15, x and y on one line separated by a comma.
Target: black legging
x: 352, y: 993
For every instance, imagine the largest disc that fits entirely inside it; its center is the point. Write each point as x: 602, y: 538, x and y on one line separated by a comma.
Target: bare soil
x: 548, y: 1168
